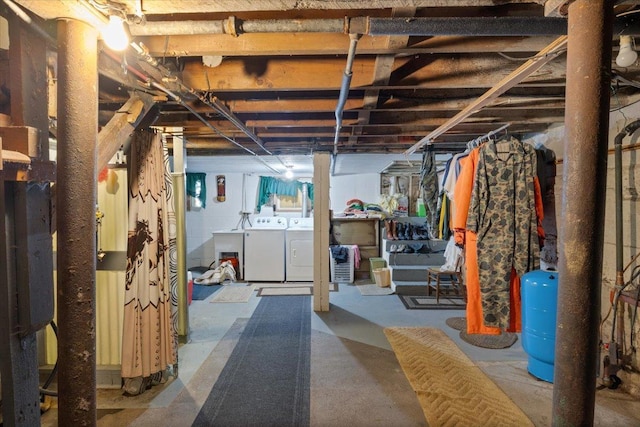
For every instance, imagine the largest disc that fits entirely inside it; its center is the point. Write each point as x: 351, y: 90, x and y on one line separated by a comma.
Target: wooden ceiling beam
x: 392, y: 105
x: 431, y: 121
x: 309, y: 44
x: 521, y: 73
x: 291, y: 73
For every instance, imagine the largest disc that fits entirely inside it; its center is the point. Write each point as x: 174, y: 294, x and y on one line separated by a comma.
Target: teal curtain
x: 192, y: 179
x: 269, y: 185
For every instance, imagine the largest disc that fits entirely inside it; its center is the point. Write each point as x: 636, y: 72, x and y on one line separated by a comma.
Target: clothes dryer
x: 264, y: 249
x: 299, y: 250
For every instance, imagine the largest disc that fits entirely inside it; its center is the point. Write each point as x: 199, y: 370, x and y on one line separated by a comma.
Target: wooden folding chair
x: 452, y: 277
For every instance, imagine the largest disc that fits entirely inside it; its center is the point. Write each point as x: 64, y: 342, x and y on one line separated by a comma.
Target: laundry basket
x: 342, y: 272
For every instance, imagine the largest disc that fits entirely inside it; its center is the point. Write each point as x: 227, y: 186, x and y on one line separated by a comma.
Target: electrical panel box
x: 33, y: 255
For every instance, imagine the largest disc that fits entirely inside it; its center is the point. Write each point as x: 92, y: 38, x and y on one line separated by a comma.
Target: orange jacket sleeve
x: 462, y: 195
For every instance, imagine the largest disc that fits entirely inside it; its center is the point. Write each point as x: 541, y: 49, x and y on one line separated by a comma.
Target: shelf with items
x: 410, y: 255
x: 362, y: 232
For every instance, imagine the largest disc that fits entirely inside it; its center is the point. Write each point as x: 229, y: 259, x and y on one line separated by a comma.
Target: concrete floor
x: 355, y: 377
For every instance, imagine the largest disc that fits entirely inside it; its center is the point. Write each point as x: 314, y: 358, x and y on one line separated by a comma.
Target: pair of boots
x: 410, y: 248
x: 397, y: 230
x: 390, y: 226
x: 405, y: 231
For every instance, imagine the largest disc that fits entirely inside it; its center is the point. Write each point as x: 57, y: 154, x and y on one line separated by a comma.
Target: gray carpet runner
x: 266, y: 380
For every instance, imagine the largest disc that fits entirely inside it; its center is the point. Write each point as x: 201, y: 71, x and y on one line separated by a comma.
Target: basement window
x: 196, y: 190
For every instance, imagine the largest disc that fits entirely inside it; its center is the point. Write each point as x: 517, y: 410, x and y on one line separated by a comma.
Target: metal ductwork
x: 344, y: 89
x: 461, y: 26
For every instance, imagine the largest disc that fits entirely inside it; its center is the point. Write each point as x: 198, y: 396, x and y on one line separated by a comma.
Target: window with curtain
x: 197, y: 189
x: 289, y: 192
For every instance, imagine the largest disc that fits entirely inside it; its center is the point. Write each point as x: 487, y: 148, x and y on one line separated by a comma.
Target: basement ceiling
x: 264, y: 77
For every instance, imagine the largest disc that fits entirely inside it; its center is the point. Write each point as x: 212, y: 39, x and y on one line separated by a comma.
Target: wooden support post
x: 180, y: 206
x: 321, y: 210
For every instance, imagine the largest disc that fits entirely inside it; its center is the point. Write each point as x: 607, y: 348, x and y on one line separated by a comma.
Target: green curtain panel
x: 269, y: 185
x: 192, y: 183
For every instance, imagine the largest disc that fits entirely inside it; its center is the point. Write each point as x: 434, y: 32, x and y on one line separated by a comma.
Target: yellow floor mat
x: 451, y: 389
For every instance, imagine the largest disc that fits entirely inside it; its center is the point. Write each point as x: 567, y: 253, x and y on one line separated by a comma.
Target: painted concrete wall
x: 631, y: 231
x: 226, y: 215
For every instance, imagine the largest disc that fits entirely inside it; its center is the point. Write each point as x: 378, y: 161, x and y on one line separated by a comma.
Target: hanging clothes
x: 149, y: 342
x: 503, y: 216
x: 429, y: 189
x: 468, y: 239
x: 547, y: 179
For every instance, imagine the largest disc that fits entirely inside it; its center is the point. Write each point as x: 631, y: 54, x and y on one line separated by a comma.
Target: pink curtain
x: 149, y: 342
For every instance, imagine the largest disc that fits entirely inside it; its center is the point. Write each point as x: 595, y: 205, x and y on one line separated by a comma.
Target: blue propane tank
x: 539, y: 309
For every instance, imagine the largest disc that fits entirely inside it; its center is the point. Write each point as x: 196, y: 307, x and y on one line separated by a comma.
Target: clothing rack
x: 474, y: 142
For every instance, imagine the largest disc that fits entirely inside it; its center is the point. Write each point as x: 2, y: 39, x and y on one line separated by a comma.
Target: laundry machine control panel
x: 271, y: 222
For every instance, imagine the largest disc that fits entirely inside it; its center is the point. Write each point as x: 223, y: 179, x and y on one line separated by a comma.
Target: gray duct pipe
x: 344, y: 89
x: 617, y: 340
x: 417, y: 26
x: 305, y: 200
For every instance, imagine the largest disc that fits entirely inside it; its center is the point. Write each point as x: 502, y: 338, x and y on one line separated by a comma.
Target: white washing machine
x: 264, y: 258
x: 299, y: 250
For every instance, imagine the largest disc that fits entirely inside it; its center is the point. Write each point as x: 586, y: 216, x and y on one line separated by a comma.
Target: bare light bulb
x: 115, y: 35
x: 626, y: 56
x: 288, y: 174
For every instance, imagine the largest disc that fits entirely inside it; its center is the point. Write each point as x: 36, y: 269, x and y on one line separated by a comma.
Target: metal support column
x: 76, y: 204
x: 583, y: 201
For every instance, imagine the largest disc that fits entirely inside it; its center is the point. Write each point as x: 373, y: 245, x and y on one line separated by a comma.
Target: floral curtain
x: 149, y: 343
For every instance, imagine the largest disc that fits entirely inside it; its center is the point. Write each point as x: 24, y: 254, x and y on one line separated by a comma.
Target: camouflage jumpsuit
x: 430, y: 190
x: 503, y: 215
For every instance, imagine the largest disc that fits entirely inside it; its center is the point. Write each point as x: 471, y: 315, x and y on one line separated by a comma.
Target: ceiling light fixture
x: 115, y: 34
x: 627, y: 56
x: 289, y: 173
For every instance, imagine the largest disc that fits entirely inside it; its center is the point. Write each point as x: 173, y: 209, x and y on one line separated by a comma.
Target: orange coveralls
x: 462, y: 200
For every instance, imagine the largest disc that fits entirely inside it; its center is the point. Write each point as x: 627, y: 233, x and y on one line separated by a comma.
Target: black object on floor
x: 457, y: 323
x: 266, y: 380
x: 422, y: 302
x: 201, y: 292
x: 504, y: 340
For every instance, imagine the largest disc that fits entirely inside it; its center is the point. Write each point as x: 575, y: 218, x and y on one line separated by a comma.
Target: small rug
x: 504, y: 340
x: 452, y: 390
x: 332, y: 286
x: 233, y: 294
x: 267, y: 292
x: 266, y: 381
x: 421, y: 302
x: 201, y: 292
x: 457, y: 323
x: 373, y: 290
x: 295, y: 290
x: 282, y: 285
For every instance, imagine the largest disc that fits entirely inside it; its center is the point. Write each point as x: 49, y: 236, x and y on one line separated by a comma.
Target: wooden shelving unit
x: 364, y: 232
